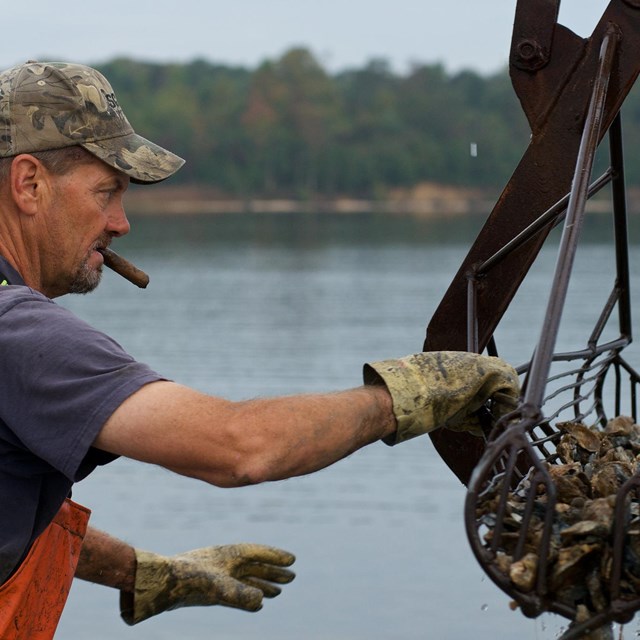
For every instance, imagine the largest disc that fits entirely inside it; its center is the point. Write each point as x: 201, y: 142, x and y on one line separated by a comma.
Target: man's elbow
x: 239, y: 470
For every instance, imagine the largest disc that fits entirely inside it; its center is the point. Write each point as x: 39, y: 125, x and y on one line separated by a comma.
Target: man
x: 72, y: 399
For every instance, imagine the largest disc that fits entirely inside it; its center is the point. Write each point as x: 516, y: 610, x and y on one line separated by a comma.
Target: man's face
x: 85, y: 213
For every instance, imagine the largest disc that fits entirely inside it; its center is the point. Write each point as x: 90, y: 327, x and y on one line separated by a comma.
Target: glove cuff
x: 152, y: 578
x: 407, y: 390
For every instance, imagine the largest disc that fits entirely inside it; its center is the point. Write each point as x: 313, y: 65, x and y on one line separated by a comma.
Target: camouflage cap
x: 52, y: 105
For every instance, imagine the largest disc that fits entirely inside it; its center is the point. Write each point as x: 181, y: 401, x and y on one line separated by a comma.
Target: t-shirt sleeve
x: 62, y: 379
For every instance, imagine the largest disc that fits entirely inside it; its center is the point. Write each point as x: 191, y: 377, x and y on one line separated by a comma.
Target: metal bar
x: 610, y: 305
x: 620, y: 226
x: 618, y: 398
x: 613, y: 345
x: 472, y: 313
x: 541, y: 362
x: 504, y: 496
x: 551, y: 217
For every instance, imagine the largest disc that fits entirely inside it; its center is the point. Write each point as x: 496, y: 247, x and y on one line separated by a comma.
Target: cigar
x: 124, y: 268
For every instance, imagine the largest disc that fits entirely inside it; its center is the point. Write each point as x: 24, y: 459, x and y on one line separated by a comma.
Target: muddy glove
x: 237, y: 575
x: 444, y: 389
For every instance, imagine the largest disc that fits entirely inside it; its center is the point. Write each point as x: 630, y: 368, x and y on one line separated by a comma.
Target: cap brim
x: 142, y: 160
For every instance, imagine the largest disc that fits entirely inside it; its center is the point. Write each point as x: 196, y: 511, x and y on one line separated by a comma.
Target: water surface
x: 248, y: 306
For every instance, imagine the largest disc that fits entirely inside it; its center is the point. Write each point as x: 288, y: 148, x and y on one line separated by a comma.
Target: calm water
x: 256, y: 306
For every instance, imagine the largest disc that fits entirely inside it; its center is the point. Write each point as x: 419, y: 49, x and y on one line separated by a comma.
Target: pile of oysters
x: 590, y: 467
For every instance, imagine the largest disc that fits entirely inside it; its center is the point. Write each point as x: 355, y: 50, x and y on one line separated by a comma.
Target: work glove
x: 237, y: 575
x: 444, y: 389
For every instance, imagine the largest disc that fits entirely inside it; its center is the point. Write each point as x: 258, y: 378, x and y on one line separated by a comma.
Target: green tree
x: 288, y: 128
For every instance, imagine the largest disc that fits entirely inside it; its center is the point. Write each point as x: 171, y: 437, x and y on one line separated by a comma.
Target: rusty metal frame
x: 552, y: 71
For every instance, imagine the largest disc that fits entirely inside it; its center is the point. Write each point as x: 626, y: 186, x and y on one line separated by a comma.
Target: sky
x: 342, y: 34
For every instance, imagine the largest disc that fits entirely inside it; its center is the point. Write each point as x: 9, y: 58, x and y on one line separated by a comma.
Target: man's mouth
x: 101, y: 247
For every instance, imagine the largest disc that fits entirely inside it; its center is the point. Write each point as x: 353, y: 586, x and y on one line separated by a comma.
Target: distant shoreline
x: 345, y: 206
x: 426, y: 200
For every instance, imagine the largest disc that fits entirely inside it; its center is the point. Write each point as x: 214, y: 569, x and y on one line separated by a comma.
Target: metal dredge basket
x: 590, y: 386
x: 571, y: 90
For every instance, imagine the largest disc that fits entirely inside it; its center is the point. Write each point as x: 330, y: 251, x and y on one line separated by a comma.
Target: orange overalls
x: 32, y: 599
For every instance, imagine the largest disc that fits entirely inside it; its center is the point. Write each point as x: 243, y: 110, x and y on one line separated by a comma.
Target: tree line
x: 290, y: 128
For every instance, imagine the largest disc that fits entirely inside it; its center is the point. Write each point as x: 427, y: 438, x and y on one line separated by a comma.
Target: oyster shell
x: 523, y: 571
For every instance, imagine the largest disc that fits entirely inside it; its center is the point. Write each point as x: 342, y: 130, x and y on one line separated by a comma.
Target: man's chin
x: 86, y: 281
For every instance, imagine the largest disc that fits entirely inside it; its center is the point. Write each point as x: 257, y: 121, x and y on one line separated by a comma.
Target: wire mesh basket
x: 553, y: 506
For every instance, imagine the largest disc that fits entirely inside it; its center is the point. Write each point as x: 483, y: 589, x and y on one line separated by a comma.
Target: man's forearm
x: 107, y: 561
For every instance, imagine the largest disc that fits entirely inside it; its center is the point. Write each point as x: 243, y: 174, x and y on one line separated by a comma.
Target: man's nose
x: 118, y: 224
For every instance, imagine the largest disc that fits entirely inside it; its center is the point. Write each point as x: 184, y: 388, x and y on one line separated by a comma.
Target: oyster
x: 584, y: 437
x: 523, y: 571
x: 609, y: 476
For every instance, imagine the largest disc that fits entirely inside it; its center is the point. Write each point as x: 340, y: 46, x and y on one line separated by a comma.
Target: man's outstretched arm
x: 231, y: 444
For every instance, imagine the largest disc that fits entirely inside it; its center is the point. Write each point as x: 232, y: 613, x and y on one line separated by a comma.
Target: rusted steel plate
x: 554, y: 98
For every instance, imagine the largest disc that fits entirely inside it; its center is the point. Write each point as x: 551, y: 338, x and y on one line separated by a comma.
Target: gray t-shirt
x: 60, y: 380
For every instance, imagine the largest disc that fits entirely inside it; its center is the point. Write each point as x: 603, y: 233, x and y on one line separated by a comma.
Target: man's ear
x: 29, y: 180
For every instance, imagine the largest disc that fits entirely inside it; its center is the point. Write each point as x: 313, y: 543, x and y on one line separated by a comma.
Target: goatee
x: 86, y: 278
